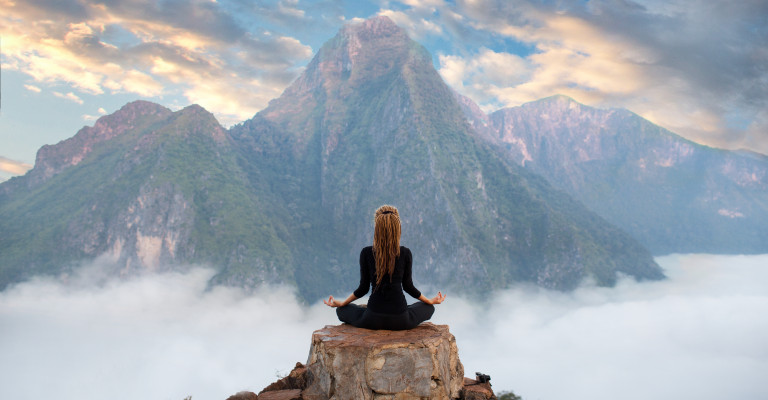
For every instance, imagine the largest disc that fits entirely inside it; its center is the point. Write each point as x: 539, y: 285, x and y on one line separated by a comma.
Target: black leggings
x: 362, y: 317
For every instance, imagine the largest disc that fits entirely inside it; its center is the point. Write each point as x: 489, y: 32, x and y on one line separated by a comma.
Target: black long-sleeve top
x: 387, y: 298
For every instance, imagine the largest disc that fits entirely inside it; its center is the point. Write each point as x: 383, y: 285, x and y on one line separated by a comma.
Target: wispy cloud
x: 32, y: 88
x: 69, y: 96
x: 13, y: 167
x: 89, y: 117
x: 417, y: 26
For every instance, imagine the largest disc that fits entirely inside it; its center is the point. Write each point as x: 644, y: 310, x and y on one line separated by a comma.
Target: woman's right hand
x: 331, y: 302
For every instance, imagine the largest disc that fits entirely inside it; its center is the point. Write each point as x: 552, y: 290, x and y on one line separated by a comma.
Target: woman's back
x: 387, y: 297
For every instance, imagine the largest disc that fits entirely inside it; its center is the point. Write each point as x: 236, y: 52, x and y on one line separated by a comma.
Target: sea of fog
x: 701, y: 334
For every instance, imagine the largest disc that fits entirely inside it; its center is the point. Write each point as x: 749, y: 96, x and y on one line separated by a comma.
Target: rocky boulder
x: 353, y: 363
x: 475, y: 390
x: 243, y: 396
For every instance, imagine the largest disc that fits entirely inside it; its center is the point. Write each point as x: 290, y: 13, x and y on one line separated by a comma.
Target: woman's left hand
x: 435, y: 300
x: 438, y: 299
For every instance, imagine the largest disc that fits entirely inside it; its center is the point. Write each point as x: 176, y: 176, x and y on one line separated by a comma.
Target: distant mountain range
x: 673, y: 195
x: 288, y: 196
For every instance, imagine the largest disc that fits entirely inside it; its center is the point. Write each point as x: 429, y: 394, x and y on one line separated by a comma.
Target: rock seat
x: 348, y: 363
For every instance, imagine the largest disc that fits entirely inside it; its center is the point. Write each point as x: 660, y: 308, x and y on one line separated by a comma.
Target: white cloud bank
x: 700, y: 334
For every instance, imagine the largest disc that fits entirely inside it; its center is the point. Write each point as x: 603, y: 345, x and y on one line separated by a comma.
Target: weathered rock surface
x: 286, y: 394
x: 243, y: 396
x: 474, y: 390
x: 296, y: 379
x: 353, y: 363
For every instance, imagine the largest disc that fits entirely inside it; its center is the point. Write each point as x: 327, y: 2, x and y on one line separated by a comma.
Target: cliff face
x: 288, y: 196
x: 671, y: 194
x: 352, y: 363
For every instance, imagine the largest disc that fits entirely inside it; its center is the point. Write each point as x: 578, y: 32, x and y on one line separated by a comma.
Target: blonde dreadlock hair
x: 386, y: 241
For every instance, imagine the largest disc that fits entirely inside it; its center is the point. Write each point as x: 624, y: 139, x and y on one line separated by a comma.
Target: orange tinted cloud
x: 193, y: 50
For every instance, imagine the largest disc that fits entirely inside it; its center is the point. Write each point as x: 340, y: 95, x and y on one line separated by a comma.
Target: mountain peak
x: 377, y: 33
x: 375, y: 27
x: 52, y: 159
x: 195, y: 109
x: 359, y: 54
x: 141, y: 106
x: 131, y: 111
x: 198, y: 120
x: 561, y: 97
x: 558, y: 103
x: 556, y: 99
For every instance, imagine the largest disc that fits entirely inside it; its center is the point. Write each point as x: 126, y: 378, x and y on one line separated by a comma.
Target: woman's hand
x: 331, y: 302
x: 435, y: 300
x: 438, y: 299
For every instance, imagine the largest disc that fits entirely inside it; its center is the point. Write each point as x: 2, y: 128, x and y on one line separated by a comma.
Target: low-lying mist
x: 701, y: 334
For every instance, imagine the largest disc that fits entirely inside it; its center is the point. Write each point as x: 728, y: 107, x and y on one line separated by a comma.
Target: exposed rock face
x: 353, y: 363
x: 287, y: 394
x: 474, y: 390
x: 296, y: 380
x: 673, y: 195
x: 51, y: 160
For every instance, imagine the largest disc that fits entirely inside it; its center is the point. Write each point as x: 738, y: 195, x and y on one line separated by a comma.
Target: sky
x: 698, y: 335
x: 698, y: 68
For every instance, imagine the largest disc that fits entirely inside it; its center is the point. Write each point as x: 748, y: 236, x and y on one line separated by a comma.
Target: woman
x: 386, y: 266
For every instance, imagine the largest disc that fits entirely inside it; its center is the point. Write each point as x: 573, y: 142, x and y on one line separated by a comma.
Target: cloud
x: 693, y: 68
x: 697, y: 68
x: 100, y: 112
x: 13, y: 167
x: 154, y: 50
x: 69, y: 96
x: 485, y: 77
x: 33, y: 88
x: 177, y: 338
x: 288, y: 7
x: 416, y: 26
x: 649, y: 340
x: 160, y: 336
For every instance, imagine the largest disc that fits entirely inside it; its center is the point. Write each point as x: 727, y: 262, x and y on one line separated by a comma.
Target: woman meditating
x: 386, y: 266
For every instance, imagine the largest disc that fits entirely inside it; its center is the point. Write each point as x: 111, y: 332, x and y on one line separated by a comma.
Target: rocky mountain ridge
x: 673, y: 195
x: 287, y: 196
